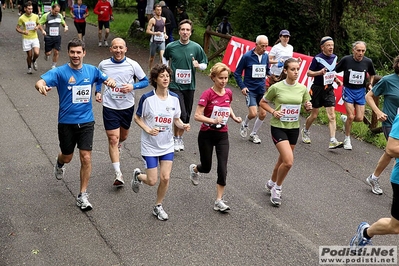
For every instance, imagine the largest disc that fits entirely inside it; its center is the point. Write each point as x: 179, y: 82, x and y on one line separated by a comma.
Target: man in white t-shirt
x: 118, y: 102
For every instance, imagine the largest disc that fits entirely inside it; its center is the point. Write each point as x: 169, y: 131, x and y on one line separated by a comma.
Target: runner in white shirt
x: 118, y: 102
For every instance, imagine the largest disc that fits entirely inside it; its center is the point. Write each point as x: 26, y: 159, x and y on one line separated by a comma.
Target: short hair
x: 157, y: 5
x: 396, y: 65
x: 54, y: 6
x: 218, y: 68
x: 29, y: 3
x: 260, y: 37
x: 75, y: 42
x: 156, y: 70
x: 358, y: 42
x: 325, y: 39
x: 186, y: 21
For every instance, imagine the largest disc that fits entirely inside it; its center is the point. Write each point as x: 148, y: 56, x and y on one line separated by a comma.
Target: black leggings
x: 206, y: 141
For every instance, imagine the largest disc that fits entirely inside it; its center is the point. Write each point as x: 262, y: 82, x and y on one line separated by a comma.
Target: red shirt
x: 106, y: 9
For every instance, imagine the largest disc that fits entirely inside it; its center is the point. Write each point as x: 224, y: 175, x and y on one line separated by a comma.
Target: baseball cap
x: 285, y: 32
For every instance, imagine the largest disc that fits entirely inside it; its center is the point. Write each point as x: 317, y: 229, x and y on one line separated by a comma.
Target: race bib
x: 290, y: 112
x: 116, y: 94
x: 183, y: 76
x: 81, y: 94
x: 54, y: 31
x: 356, y: 77
x: 224, y: 112
x: 160, y: 38
x: 163, y: 122
x: 329, y: 78
x: 30, y: 25
x: 258, y: 71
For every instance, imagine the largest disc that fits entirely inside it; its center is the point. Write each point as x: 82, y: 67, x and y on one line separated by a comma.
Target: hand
x: 218, y: 120
x: 125, y: 88
x: 43, y: 90
x: 154, y: 131
x: 308, y: 106
x: 186, y: 127
x: 65, y: 28
x: 110, y: 83
x: 195, y: 62
x: 323, y: 71
x: 98, y: 97
x: 382, y: 116
x: 238, y: 119
x: 245, y: 91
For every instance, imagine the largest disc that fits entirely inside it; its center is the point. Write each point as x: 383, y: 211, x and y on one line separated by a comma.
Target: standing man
x: 74, y: 81
x: 255, y: 65
x: 104, y: 11
x: 322, y: 69
x: 52, y: 37
x: 28, y: 24
x: 170, y: 22
x: 185, y: 57
x: 355, y: 67
x: 156, y: 28
x: 118, y: 102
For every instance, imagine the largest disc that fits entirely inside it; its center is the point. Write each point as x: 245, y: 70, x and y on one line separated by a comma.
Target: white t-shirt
x: 123, y: 72
x: 156, y: 112
x: 280, y: 52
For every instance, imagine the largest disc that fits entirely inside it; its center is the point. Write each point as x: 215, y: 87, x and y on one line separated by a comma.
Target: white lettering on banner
x: 237, y: 45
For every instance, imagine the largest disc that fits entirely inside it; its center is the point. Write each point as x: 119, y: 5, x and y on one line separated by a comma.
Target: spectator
x: 181, y: 13
x: 224, y: 27
x: 141, y: 5
x: 170, y: 22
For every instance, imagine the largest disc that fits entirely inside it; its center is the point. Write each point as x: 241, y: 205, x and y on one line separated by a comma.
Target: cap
x: 285, y: 32
x: 162, y: 3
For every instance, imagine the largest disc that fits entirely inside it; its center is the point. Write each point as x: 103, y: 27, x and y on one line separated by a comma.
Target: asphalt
x: 325, y: 195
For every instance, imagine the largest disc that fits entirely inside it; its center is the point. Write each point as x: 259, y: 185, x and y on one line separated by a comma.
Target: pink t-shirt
x: 216, y: 105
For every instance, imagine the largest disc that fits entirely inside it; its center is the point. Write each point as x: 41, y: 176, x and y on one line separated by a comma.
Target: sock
x: 347, y: 137
x: 277, y: 187
x: 333, y: 139
x: 246, y: 121
x: 257, y: 125
x: 365, y: 234
x: 374, y: 177
x: 117, y: 166
x: 271, y: 183
x: 54, y: 64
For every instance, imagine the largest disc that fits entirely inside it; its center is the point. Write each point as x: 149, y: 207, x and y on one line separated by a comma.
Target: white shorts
x: 29, y: 44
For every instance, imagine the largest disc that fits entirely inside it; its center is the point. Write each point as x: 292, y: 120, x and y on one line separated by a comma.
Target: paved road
x: 324, y: 198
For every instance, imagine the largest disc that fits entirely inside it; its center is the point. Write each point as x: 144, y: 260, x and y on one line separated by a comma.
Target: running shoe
x: 35, y: 66
x: 244, y: 130
x: 335, y: 144
x: 375, y: 185
x: 83, y: 202
x: 160, y: 213
x: 221, y: 206
x: 135, y: 181
x: 118, y: 182
x: 343, y: 119
x: 269, y: 187
x: 193, y: 175
x: 177, y: 144
x: 100, y: 44
x: 347, y: 144
x: 29, y: 70
x: 181, y: 144
x: 46, y: 57
x: 58, y: 172
x: 254, y: 138
x: 275, y: 197
x: 105, y: 43
x: 52, y: 67
x: 305, y: 136
x: 359, y: 241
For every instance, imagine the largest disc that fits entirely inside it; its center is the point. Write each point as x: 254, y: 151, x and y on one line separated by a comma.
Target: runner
x: 158, y: 110
x: 118, y: 102
x: 104, y: 11
x: 287, y: 95
x: 79, y: 12
x: 74, y: 81
x: 255, y: 65
x: 214, y: 110
x: 156, y: 28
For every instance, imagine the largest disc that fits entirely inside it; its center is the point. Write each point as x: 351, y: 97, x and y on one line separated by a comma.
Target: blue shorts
x: 354, y: 96
x: 253, y: 99
x: 114, y: 119
x: 152, y: 161
x: 156, y: 47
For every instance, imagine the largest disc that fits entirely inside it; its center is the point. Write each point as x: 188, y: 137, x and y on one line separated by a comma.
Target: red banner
x: 237, y: 47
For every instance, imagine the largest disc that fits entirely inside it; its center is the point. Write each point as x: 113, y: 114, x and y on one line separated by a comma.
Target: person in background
x: 213, y: 110
x: 181, y: 13
x: 224, y: 27
x: 170, y: 22
x: 63, y: 6
x: 104, y: 11
x: 322, y: 69
x: 79, y: 12
x: 388, y: 87
x: 141, y: 6
x: 288, y: 95
x: 158, y: 111
x: 156, y: 28
x: 280, y: 52
x: 149, y: 9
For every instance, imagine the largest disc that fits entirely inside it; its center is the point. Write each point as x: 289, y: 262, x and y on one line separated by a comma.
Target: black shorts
x: 322, y: 96
x: 114, y: 119
x: 80, y: 27
x: 395, y: 201
x: 63, y: 5
x: 186, y: 100
x: 280, y: 134
x: 52, y: 42
x: 70, y: 135
x: 102, y: 24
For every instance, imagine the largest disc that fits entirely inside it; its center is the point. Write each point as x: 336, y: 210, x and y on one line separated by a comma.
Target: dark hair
x: 29, y: 3
x: 396, y: 65
x: 286, y: 63
x: 75, y: 42
x: 156, y: 70
x: 157, y: 5
x: 186, y: 21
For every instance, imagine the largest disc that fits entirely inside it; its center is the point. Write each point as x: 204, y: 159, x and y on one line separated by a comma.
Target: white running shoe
x: 193, y: 175
x: 29, y: 71
x: 118, y: 181
x: 305, y: 136
x: 347, y: 144
x: 100, y: 44
x: 83, y: 202
x: 176, y: 144
x: 35, y: 65
x: 160, y: 213
x: 220, y: 206
x: 244, y: 130
x: 254, y: 138
x: 105, y: 43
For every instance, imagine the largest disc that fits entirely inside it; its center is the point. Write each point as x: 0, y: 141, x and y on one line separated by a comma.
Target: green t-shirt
x: 388, y: 86
x: 288, y: 98
x: 181, y: 62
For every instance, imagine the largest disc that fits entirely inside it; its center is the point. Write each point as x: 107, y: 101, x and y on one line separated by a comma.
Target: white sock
x: 246, y: 120
x: 258, y: 124
x: 277, y: 187
x: 374, y: 177
x: 347, y: 137
x: 117, y: 167
x: 271, y: 183
x: 333, y: 139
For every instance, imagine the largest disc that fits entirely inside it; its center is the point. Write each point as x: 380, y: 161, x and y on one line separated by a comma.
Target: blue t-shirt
x: 395, y: 134
x: 75, y: 91
x: 388, y: 86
